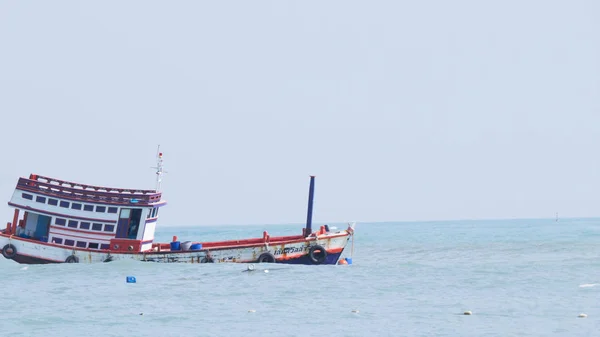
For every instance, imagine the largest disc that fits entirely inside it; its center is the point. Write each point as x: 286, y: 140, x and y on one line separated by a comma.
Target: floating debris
x: 468, y: 312
x: 588, y: 285
x: 251, y: 310
x: 355, y: 311
x: 130, y: 279
x: 582, y: 316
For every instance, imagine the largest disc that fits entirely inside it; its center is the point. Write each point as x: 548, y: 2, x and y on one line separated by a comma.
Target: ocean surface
x: 518, y: 277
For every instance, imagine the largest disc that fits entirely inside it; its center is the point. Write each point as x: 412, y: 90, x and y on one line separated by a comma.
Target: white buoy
x: 468, y: 312
x: 251, y: 310
x: 355, y: 311
x: 250, y: 267
x: 266, y: 270
x: 582, y: 316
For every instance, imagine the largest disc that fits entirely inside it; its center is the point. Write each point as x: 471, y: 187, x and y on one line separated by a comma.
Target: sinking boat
x: 57, y: 221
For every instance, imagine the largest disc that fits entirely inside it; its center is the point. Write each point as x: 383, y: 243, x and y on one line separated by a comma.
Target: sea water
x: 517, y: 277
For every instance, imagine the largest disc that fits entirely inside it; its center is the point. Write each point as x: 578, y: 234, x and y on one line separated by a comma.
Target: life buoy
x: 9, y: 251
x: 72, y: 259
x: 317, y: 254
x: 266, y: 258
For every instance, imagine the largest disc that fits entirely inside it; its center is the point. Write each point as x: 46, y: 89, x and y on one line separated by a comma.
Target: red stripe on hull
x: 17, y: 238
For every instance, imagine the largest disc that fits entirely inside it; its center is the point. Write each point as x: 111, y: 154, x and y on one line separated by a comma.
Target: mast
x: 311, y: 192
x: 159, y: 168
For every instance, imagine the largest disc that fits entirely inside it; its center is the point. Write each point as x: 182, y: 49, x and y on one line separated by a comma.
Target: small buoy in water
x: 467, y: 313
x: 355, y: 311
x: 266, y: 270
x: 251, y: 310
x: 141, y: 314
x: 250, y: 267
x: 582, y: 316
x: 130, y: 279
x: 342, y: 261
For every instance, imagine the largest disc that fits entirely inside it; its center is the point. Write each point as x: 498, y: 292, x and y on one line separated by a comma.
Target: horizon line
x: 377, y: 222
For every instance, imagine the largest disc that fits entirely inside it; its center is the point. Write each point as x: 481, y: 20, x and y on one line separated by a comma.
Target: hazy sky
x: 404, y: 110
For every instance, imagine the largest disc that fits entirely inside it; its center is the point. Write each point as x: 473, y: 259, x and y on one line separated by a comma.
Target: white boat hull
x: 295, y: 251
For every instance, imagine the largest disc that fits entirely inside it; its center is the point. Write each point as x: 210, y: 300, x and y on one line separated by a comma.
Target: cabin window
x: 93, y: 245
x: 109, y: 228
x: 89, y: 208
x: 81, y: 244
x: 40, y: 199
x: 149, y: 213
x: 52, y: 202
x: 104, y: 246
x: 57, y: 240
x: 97, y: 227
x: 112, y: 210
x: 27, y: 196
x: 84, y: 225
x: 75, y: 206
x: 60, y: 222
x: 125, y: 212
x: 100, y: 209
x: 64, y: 204
x: 69, y: 242
x: 72, y: 223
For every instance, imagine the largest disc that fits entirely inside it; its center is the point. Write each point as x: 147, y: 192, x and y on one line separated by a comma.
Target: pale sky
x: 404, y: 110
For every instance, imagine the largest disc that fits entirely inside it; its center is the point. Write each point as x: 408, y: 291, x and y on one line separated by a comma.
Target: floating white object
x: 582, y: 316
x: 588, y: 285
x: 24, y: 268
x: 468, y: 312
x: 355, y: 311
x: 266, y: 270
x: 251, y: 310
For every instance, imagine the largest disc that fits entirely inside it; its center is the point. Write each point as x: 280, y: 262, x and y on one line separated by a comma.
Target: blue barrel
x: 175, y: 245
x: 196, y: 246
x: 349, y: 260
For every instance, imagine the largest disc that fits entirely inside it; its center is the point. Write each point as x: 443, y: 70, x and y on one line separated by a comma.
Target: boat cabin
x: 83, y: 216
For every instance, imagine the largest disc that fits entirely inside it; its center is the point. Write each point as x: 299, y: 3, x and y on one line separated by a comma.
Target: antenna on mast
x: 159, y: 168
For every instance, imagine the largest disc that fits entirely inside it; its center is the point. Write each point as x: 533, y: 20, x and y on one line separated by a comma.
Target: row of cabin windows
x: 84, y: 225
x: 80, y: 244
x: 73, y: 205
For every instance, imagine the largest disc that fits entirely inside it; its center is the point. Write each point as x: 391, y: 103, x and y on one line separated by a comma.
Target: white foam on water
x: 588, y: 285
